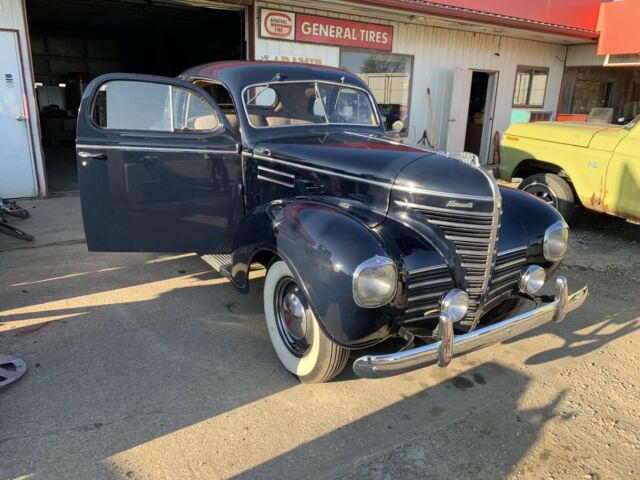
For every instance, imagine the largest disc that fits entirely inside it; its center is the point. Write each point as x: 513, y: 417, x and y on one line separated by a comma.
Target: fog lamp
x: 455, y: 304
x: 532, y: 279
x: 556, y: 241
x: 374, y: 282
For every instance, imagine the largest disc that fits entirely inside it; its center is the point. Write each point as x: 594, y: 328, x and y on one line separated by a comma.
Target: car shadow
x: 167, y: 366
x: 460, y: 420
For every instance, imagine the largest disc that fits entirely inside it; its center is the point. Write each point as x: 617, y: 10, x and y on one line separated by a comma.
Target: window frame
x: 530, y: 69
x: 158, y: 133
x: 411, y: 77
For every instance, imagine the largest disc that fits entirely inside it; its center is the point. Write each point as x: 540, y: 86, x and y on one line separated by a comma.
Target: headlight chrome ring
x: 375, y: 282
x: 556, y: 241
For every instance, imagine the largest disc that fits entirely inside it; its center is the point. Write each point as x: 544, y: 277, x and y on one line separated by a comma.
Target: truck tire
x: 552, y: 189
x: 301, y: 345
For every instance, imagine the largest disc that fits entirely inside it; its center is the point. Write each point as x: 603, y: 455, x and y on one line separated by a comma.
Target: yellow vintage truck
x: 566, y: 164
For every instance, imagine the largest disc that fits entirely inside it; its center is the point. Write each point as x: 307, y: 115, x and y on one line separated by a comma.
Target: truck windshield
x: 632, y: 123
x: 280, y: 104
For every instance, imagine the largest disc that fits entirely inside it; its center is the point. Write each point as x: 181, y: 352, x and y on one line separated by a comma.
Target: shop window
x: 131, y: 105
x: 531, y: 86
x: 389, y: 79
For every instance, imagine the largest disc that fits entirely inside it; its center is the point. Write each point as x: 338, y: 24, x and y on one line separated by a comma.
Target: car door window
x: 131, y: 105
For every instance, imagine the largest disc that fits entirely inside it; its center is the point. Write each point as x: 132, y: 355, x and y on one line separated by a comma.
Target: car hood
x: 369, y: 168
x: 370, y: 157
x: 569, y: 133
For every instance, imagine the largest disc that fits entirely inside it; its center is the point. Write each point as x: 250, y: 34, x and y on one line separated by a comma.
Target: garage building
x: 454, y: 73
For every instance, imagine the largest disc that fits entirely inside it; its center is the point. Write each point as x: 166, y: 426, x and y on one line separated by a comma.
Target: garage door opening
x: 73, y: 41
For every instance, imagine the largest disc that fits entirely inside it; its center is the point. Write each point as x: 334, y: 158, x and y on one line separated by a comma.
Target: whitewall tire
x: 301, y: 345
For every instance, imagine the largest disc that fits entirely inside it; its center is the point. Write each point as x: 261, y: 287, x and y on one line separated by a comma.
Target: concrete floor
x: 147, y: 366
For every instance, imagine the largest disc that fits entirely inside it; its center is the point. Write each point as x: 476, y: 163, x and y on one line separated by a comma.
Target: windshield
x: 279, y: 104
x: 632, y: 123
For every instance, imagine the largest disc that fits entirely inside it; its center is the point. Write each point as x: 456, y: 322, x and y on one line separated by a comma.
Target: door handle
x: 94, y: 156
x: 20, y: 118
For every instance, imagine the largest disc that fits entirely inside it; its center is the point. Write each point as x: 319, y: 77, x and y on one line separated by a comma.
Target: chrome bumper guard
x: 379, y: 366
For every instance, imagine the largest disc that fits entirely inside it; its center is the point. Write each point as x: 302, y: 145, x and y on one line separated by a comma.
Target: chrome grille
x: 507, y: 273
x: 474, y: 234
x: 425, y: 288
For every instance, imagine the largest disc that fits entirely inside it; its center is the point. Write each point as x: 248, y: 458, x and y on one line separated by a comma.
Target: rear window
x: 146, y: 106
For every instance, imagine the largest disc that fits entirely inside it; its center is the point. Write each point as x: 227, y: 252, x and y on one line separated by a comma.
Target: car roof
x: 237, y: 74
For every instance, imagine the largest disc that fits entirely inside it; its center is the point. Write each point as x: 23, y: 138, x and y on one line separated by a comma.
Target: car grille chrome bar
x: 474, y: 235
x: 426, y: 287
x: 508, y: 271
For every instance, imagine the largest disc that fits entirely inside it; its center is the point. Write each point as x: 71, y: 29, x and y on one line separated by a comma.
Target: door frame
x: 493, y: 110
x: 493, y: 115
x: 27, y: 109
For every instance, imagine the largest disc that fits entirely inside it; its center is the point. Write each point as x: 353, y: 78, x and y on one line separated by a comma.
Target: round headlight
x: 455, y: 304
x: 374, y: 282
x: 556, y: 241
x: 532, y: 279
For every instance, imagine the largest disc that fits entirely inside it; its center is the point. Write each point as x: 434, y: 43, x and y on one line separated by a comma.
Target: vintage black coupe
x: 365, y: 240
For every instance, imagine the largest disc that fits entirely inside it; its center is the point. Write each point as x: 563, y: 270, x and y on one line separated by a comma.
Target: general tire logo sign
x: 276, y: 24
x: 324, y: 30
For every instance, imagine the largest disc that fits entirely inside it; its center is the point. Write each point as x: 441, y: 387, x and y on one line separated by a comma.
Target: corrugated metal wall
x: 437, y: 53
x: 583, y: 56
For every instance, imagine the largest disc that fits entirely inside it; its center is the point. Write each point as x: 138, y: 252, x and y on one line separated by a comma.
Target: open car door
x: 158, y: 166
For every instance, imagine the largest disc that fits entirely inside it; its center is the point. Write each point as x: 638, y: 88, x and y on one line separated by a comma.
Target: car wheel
x: 301, y: 345
x: 553, y: 190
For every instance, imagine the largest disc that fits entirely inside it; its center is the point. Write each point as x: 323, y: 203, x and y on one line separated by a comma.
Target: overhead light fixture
x: 62, y: 85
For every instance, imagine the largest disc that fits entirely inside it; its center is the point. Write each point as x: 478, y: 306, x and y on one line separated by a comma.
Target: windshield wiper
x: 319, y: 99
x: 275, y: 78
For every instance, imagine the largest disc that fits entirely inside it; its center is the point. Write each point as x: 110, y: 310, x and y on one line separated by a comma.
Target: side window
x: 132, y: 105
x: 531, y: 86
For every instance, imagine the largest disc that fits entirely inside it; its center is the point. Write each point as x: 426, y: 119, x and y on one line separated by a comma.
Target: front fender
x: 322, y: 246
x: 524, y: 222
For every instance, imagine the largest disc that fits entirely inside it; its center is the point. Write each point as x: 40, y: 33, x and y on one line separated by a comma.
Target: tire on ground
x: 557, y: 187
x: 323, y: 360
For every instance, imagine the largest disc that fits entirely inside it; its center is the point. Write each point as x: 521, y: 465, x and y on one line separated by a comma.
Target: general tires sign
x: 301, y: 27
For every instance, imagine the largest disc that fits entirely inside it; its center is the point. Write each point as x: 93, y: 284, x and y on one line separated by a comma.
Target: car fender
x: 322, y: 245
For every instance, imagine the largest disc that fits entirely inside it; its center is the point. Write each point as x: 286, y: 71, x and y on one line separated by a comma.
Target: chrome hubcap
x: 543, y: 193
x: 291, y: 315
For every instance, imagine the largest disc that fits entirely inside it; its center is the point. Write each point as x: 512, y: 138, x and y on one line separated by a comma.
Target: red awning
x: 574, y: 18
x: 618, y: 26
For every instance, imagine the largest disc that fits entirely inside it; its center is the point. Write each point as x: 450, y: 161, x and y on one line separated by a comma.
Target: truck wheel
x: 553, y: 190
x: 299, y: 342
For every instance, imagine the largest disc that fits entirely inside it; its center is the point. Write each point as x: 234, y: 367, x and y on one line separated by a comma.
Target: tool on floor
x: 11, y: 369
x: 14, y: 210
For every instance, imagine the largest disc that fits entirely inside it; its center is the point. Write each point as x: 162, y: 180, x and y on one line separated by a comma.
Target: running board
x: 221, y: 263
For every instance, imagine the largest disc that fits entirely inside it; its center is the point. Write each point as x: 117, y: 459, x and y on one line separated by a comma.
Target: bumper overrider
x: 450, y: 345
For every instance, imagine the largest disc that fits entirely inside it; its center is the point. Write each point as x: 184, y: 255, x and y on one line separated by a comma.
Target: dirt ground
x: 151, y: 367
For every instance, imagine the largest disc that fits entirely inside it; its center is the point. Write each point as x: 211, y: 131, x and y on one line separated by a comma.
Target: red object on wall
x: 334, y: 31
x: 577, y: 18
x: 571, y: 117
x: 618, y: 26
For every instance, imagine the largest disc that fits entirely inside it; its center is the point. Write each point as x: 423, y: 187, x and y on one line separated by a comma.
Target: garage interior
x: 613, y: 91
x: 73, y: 41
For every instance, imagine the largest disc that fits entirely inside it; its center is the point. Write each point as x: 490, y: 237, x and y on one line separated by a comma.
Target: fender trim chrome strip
x: 131, y: 148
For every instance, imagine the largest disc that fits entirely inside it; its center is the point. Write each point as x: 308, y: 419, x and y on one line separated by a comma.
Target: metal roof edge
x: 449, y: 11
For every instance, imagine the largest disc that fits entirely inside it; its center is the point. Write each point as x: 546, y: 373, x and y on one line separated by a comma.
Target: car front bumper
x: 379, y: 366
